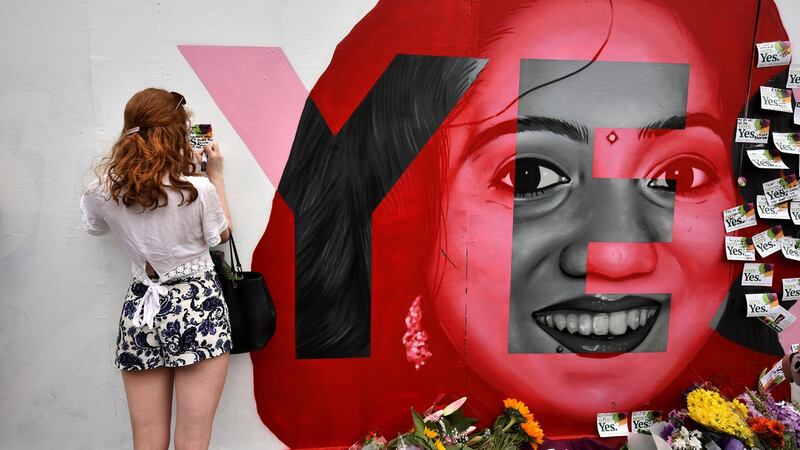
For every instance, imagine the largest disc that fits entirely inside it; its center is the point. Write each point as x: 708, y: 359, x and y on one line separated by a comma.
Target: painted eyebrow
x: 664, y: 126
x: 580, y: 133
x: 561, y: 127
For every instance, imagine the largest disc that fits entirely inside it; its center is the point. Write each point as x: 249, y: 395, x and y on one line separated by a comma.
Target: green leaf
x: 419, y: 424
x: 459, y: 422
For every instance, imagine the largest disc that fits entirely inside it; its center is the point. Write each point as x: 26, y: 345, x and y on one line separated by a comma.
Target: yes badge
x: 787, y: 142
x: 796, y: 119
x: 791, y: 289
x: 753, y: 131
x: 768, y: 241
x: 790, y: 247
x: 766, y: 158
x: 794, y: 212
x: 778, y: 318
x: 643, y: 420
x: 739, y: 248
x: 778, y: 53
x: 757, y: 274
x: 776, y: 99
x: 612, y: 424
x: 742, y: 216
x: 781, y: 189
x: 793, y: 80
x: 767, y: 211
x: 760, y: 305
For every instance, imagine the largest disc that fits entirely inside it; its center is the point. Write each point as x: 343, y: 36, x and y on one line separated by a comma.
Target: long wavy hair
x: 134, y: 171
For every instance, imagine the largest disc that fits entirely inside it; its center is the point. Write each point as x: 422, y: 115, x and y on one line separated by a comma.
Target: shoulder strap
x: 234, y: 254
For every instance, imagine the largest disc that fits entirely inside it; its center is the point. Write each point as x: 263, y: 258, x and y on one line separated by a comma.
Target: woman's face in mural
x: 613, y: 206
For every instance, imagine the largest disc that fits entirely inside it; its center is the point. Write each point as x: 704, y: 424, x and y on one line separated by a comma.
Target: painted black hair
x: 333, y: 184
x: 733, y: 325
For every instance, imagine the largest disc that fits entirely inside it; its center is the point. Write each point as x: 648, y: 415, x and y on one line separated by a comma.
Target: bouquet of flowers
x: 712, y: 421
x: 448, y: 429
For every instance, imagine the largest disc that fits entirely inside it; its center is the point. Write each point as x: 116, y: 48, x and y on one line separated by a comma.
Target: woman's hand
x: 214, y: 165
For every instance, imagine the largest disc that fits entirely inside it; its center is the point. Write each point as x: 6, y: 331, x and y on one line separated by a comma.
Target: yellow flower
x: 430, y: 434
x: 534, y: 431
x: 521, y: 408
x: 438, y: 445
x: 710, y: 409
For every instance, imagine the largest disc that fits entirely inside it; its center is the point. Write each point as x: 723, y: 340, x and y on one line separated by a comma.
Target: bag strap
x: 233, y: 253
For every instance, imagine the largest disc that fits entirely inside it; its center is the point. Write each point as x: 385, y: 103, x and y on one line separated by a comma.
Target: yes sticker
x: 767, y: 211
x: 742, y: 216
x: 760, y: 305
x: 781, y: 189
x: 796, y: 113
x: 778, y: 318
x: 754, y: 131
x: 790, y: 247
x: 778, y: 53
x: 793, y: 80
x: 791, y: 289
x: 794, y: 212
x: 757, y: 274
x: 795, y: 348
x: 766, y: 158
x: 768, y: 241
x: 612, y: 424
x: 642, y: 420
x: 787, y: 142
x: 776, y: 99
x: 739, y: 248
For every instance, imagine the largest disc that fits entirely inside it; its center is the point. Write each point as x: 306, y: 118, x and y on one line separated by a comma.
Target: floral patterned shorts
x: 191, y: 325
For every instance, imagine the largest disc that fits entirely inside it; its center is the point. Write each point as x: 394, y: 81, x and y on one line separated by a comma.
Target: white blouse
x: 173, y: 238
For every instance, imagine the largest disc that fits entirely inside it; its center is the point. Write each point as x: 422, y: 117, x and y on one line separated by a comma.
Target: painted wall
x: 66, y: 75
x: 68, y: 68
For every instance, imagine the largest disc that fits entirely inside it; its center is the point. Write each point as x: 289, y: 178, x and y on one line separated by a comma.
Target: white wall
x: 67, y: 70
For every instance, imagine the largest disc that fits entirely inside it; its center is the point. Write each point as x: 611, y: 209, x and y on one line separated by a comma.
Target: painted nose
x: 616, y: 261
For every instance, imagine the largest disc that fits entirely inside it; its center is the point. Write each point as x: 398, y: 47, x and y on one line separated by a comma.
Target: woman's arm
x: 215, y: 175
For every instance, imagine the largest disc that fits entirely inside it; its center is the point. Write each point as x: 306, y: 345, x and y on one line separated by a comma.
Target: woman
x: 174, y: 329
x: 582, y: 171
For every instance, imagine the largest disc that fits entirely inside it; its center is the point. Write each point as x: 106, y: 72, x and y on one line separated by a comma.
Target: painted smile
x: 600, y: 323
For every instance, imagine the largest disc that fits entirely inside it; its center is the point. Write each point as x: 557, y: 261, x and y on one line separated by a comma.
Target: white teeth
x: 560, y: 321
x: 572, y: 323
x: 585, y: 324
x: 618, y: 323
x: 633, y: 319
x: 600, y: 324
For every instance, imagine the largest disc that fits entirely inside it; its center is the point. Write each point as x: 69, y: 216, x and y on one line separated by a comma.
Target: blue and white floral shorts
x: 191, y: 325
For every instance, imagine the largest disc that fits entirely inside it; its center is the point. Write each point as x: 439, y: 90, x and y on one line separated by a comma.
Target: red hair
x: 134, y: 171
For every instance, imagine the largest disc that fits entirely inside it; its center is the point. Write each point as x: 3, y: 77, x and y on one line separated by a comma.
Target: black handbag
x: 250, y: 306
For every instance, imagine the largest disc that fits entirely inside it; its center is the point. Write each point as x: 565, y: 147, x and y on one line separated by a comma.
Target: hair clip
x: 131, y: 131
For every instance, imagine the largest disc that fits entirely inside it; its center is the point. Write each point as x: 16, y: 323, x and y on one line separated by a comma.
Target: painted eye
x: 685, y: 175
x: 529, y: 177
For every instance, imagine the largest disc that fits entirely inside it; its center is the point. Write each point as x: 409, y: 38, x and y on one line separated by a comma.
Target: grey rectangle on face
x: 627, y: 94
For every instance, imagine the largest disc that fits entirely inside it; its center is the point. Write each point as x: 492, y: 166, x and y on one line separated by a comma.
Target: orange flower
x: 430, y: 434
x: 769, y: 430
x: 438, y: 445
x: 521, y: 408
x: 534, y: 432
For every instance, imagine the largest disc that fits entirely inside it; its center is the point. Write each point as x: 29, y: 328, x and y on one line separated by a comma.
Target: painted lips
x: 600, y: 323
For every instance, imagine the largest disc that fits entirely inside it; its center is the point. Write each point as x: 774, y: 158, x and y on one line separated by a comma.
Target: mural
x: 546, y: 177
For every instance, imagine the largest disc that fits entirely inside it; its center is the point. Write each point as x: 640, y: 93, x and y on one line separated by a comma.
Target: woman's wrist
x: 216, y: 180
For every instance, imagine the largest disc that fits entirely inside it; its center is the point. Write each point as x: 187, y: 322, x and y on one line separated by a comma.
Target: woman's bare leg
x: 198, y: 388
x: 149, y: 395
